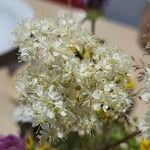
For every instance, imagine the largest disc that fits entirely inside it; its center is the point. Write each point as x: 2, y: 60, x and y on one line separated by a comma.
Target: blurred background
x: 128, y: 11
x: 123, y: 23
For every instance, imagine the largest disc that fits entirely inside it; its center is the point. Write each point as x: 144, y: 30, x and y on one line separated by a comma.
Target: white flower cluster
x: 72, y: 80
x: 23, y: 114
x: 145, y: 124
x: 146, y: 95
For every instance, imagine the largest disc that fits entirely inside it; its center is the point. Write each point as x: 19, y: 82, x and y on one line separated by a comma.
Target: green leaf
x: 133, y: 144
x: 117, y: 136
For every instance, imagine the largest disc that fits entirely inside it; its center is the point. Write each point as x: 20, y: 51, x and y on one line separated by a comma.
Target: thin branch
x: 122, y: 140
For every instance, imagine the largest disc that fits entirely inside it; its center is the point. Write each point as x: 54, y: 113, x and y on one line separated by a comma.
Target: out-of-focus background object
x: 74, y: 3
x: 125, y: 11
x: 144, y: 30
x: 11, y: 13
x: 119, y: 27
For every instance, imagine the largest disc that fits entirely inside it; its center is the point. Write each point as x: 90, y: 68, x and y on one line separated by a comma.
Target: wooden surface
x: 122, y: 36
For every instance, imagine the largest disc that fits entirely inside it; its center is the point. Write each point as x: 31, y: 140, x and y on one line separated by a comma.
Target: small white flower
x: 39, y: 107
x: 59, y: 104
x: 146, y: 97
x: 108, y: 87
x: 50, y: 114
x: 96, y: 106
x: 63, y: 113
x: 116, y: 56
x: 23, y: 114
x: 58, y: 43
x: 97, y: 94
x: 105, y: 107
x: 148, y: 71
x: 55, y: 54
x: 51, y: 94
x: 36, y: 45
x: 108, y: 67
x: 145, y: 125
x: 34, y: 81
x: 146, y: 94
x: 39, y: 90
x: 60, y: 135
x: 24, y: 54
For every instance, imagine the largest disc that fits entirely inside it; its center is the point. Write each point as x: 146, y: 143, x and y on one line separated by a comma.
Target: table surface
x: 120, y: 35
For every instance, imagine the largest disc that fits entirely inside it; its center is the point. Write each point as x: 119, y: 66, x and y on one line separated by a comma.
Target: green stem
x: 93, y: 24
x: 125, y: 139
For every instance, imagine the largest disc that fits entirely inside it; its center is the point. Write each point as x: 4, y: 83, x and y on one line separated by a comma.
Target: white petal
x: 63, y: 113
x: 96, y: 106
x: 146, y: 97
x: 96, y: 94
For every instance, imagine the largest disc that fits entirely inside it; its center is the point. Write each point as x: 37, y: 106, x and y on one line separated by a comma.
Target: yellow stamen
x: 87, y: 53
x: 130, y: 84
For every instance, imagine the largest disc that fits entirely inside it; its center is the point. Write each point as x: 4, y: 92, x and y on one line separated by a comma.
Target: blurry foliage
x: 111, y: 138
x: 115, y: 135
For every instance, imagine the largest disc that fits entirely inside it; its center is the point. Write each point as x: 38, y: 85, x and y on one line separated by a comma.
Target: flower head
x: 71, y: 77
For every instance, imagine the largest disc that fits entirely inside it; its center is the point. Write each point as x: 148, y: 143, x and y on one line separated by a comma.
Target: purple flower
x: 11, y: 142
